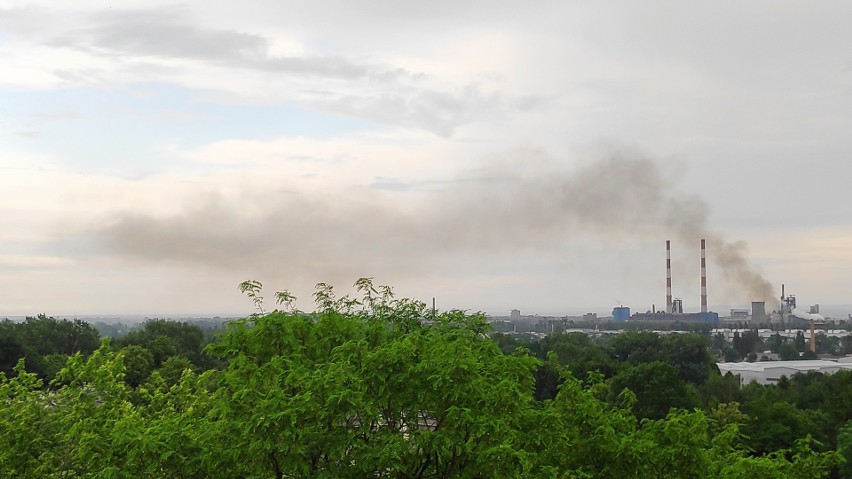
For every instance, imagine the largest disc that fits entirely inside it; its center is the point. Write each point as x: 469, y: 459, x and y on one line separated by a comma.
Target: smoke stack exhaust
x: 703, y: 278
x: 668, y: 276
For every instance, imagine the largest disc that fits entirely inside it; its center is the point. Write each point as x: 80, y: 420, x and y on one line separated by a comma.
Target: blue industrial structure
x: 621, y: 313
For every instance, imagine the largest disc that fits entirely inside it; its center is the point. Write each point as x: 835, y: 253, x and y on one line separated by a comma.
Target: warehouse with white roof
x: 769, y: 372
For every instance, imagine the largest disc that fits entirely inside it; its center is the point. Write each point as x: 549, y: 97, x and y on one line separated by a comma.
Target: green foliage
x: 800, y: 343
x: 352, y: 394
x: 252, y: 288
x: 382, y: 387
x: 788, y: 352
x: 11, y: 350
x: 138, y: 364
x: 44, y: 335
x: 172, y: 369
x: 579, y: 354
x: 773, y: 423
x: 844, y: 448
x: 720, y: 389
x: 748, y: 342
x: 166, y: 338
x: 732, y: 355
x: 688, y: 353
x: 657, y: 389
x: 775, y: 342
x: 44, y: 342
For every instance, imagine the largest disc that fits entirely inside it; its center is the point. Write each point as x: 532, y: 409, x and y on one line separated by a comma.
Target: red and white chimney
x: 668, y: 276
x: 703, y: 278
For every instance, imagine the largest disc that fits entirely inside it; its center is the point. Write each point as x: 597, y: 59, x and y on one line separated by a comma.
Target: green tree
x: 578, y: 353
x: 800, y: 343
x: 732, y: 355
x: 844, y: 447
x: 746, y: 343
x: 11, y: 350
x: 657, y: 387
x: 774, y: 423
x: 173, y: 368
x: 719, y: 389
x: 138, y: 363
x: 788, y: 352
x: 370, y: 392
x: 46, y: 335
x: 42, y: 340
x: 637, y: 347
x: 719, y: 341
x: 379, y: 387
x: 775, y: 342
x: 689, y: 353
x: 166, y: 338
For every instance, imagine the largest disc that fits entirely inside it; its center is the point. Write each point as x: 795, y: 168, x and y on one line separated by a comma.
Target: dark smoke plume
x: 525, y: 200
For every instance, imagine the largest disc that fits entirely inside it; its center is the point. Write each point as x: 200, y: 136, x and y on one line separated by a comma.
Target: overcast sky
x: 154, y: 155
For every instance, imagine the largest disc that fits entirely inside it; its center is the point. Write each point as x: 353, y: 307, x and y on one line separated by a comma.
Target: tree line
x: 377, y: 386
x: 677, y: 371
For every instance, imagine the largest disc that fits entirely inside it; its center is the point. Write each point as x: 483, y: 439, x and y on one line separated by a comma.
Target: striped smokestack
x: 703, y: 279
x: 668, y: 276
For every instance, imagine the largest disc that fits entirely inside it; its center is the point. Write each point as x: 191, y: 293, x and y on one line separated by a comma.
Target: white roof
x: 764, y: 366
x: 768, y: 372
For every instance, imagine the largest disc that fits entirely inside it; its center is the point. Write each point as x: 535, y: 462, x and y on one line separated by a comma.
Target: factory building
x: 758, y: 311
x: 620, y: 313
x: 770, y: 372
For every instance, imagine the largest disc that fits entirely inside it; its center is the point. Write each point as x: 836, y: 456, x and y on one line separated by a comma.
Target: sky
x: 153, y: 155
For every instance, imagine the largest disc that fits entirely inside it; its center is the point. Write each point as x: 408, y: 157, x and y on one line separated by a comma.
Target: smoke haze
x: 522, y: 201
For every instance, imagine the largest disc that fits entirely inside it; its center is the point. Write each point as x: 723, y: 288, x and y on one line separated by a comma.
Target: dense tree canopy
x: 378, y: 387
x: 45, y: 342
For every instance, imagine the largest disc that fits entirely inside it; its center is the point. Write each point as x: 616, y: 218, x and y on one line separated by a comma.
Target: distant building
x: 660, y: 316
x: 739, y: 314
x: 758, y: 311
x: 769, y: 372
x: 515, y: 315
x: 621, y: 313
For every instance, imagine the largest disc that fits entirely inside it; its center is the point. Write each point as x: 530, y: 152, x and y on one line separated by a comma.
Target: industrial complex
x: 784, y: 313
x: 674, y: 306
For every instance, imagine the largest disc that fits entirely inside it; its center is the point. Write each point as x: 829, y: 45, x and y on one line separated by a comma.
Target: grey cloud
x: 377, y: 93
x: 85, y: 76
x: 396, y: 184
x: 159, y: 33
x: 521, y: 203
x: 531, y: 102
x: 172, y: 34
x: 438, y: 112
x: 21, y: 20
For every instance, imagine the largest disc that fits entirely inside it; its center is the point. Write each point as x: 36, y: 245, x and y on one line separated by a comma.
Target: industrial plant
x: 674, y: 306
x: 784, y: 313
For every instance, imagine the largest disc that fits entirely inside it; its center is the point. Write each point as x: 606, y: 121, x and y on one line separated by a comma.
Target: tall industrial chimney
x: 703, y: 279
x: 813, y: 338
x: 668, y: 276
